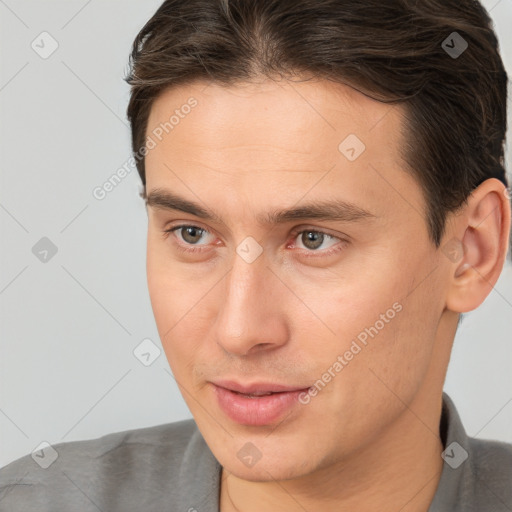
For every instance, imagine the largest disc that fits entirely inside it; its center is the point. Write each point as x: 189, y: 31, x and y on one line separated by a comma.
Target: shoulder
x: 477, y: 473
x: 492, y: 467
x: 86, y: 473
x: 170, y: 438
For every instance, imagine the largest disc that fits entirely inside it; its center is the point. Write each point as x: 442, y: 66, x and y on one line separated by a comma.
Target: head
x: 326, y: 195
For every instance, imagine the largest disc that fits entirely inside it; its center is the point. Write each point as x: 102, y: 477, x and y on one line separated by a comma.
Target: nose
x: 251, y: 317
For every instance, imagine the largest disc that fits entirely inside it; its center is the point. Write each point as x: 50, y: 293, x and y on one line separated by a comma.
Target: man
x: 326, y: 196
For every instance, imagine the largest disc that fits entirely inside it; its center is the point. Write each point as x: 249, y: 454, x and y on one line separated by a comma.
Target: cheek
x: 179, y: 296
x: 382, y: 324
x: 160, y: 287
x: 167, y: 282
x: 168, y: 294
x: 379, y: 356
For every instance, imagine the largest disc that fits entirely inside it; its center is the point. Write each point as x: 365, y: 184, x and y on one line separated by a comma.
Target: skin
x: 369, y: 440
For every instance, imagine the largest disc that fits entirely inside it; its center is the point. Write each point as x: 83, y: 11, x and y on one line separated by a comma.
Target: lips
x: 256, y: 404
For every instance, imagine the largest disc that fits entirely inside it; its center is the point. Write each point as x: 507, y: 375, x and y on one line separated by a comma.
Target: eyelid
x: 191, y: 248
x: 318, y: 253
x: 301, y: 229
x: 177, y: 228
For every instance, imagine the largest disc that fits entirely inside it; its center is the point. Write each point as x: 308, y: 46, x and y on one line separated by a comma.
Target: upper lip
x: 256, y: 387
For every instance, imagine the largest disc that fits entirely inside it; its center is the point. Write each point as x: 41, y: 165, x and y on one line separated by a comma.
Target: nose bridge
x: 245, y: 284
x: 248, y: 315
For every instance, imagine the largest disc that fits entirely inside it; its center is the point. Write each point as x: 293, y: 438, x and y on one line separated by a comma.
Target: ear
x: 478, y: 246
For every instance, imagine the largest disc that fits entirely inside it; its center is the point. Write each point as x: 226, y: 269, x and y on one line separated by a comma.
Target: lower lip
x: 257, y: 411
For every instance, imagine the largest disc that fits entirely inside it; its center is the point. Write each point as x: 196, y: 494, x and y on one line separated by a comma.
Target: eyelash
x: 308, y: 253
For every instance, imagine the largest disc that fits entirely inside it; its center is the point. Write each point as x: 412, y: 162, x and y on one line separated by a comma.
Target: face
x: 288, y: 253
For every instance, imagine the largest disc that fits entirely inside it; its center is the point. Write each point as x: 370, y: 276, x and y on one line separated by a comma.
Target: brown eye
x: 312, y: 239
x: 315, y: 241
x: 191, y: 234
x: 190, y: 238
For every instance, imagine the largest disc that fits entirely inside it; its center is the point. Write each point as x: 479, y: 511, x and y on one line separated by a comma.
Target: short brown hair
x: 395, y: 51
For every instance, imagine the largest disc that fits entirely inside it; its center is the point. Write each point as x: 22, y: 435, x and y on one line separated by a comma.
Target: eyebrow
x: 334, y: 210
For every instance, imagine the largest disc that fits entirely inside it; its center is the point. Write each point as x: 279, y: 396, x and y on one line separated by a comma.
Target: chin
x: 271, y: 464
x: 270, y: 471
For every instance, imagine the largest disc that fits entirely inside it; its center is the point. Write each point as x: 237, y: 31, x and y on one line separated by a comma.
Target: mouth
x: 256, y: 395
x: 256, y: 404
x: 257, y: 388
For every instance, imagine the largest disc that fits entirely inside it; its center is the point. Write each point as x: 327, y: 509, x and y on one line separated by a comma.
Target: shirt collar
x: 458, y: 475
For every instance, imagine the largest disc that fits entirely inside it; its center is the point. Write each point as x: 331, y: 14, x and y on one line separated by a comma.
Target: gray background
x: 69, y: 325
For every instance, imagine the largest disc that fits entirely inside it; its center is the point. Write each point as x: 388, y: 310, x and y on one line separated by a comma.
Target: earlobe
x: 482, y: 230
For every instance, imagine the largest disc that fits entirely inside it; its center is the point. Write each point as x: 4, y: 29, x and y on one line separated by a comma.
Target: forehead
x: 277, y: 141
x: 308, y: 118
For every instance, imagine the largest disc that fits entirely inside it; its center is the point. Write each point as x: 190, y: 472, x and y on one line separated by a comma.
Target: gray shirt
x: 170, y: 468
